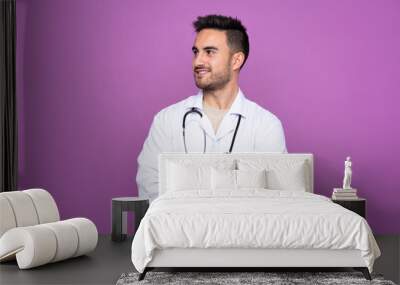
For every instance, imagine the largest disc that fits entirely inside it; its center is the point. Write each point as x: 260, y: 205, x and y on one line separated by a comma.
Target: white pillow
x: 290, y: 179
x: 281, y: 174
x: 251, y: 178
x: 188, y: 177
x: 223, y: 179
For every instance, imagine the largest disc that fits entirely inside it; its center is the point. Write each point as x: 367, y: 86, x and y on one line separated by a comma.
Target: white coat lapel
x: 207, y: 127
x: 227, y: 125
x: 230, y: 120
x: 205, y: 123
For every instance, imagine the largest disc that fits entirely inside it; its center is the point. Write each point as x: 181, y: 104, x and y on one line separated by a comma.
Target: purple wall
x: 92, y: 74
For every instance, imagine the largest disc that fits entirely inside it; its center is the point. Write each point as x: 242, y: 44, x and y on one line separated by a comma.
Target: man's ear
x: 237, y: 60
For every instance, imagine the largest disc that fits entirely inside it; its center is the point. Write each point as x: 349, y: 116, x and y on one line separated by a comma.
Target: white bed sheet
x: 250, y: 218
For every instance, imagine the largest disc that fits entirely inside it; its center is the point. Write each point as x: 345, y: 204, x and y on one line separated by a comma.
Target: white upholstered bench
x: 31, y: 230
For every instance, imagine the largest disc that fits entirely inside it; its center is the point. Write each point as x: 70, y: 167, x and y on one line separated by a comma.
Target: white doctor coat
x: 259, y: 131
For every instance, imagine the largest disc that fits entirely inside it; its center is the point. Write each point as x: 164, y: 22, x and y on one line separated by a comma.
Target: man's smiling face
x: 211, y: 60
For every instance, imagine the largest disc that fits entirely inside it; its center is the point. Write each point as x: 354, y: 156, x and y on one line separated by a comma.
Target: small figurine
x: 347, y: 174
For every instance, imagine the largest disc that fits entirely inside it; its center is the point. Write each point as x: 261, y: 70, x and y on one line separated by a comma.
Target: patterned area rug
x: 270, y: 278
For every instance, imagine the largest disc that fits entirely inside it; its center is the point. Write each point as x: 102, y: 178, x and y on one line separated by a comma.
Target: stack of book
x: 344, y: 194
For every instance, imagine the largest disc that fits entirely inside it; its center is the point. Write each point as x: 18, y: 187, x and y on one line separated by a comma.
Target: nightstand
x: 119, y: 207
x: 358, y: 205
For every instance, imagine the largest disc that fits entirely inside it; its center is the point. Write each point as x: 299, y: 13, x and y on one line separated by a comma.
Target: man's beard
x: 215, y: 82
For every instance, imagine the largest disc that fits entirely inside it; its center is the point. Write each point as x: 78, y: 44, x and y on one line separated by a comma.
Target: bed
x: 247, y: 210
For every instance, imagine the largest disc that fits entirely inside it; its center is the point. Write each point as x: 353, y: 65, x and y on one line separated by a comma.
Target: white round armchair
x: 31, y: 230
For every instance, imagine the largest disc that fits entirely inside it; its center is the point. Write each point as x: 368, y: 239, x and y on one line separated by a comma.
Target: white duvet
x: 250, y: 218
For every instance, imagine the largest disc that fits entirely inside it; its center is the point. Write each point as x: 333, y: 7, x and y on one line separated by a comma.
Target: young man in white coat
x: 219, y: 118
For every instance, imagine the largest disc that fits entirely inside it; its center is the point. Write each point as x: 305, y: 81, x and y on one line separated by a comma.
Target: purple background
x: 92, y: 74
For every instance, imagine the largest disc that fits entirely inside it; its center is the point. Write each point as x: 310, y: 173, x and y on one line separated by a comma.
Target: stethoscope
x: 195, y: 110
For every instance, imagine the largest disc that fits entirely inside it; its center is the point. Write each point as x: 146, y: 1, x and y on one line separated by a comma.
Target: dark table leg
x: 140, y: 211
x: 118, y: 222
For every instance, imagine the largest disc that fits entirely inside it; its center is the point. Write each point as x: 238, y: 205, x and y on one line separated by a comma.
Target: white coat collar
x: 228, y: 124
x: 237, y: 106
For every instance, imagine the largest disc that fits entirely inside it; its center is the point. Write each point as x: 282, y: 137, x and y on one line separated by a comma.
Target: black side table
x: 358, y: 205
x: 119, y: 207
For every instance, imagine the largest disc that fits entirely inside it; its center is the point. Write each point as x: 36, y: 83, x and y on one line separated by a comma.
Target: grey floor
x: 111, y: 259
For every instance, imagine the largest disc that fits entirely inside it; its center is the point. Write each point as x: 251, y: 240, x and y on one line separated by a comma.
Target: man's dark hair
x: 236, y: 34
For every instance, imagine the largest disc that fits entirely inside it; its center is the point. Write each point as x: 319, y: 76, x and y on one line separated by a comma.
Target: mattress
x: 250, y: 219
